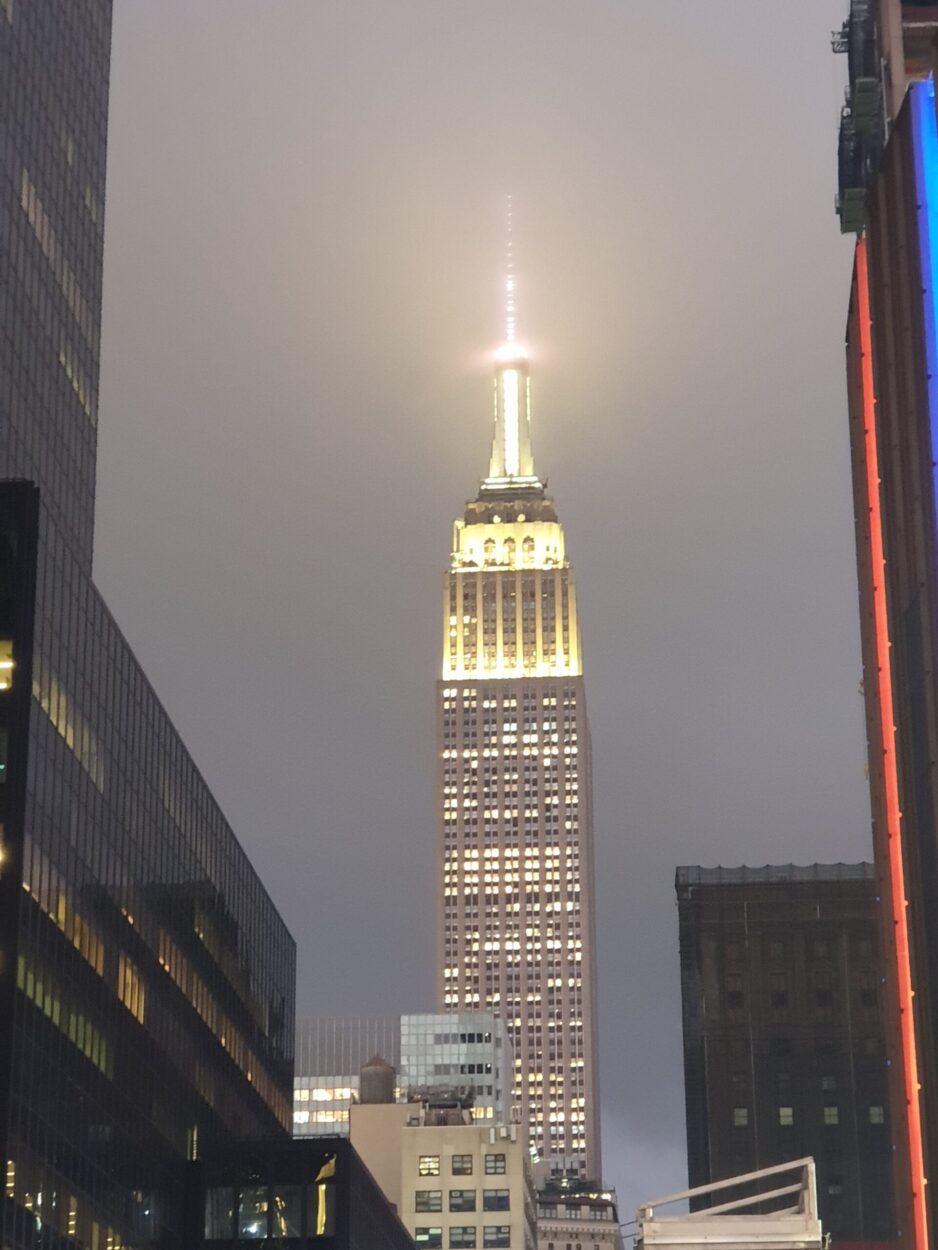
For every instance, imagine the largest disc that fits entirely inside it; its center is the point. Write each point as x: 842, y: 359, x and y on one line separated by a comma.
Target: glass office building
x: 330, y: 1054
x: 146, y: 979
x: 468, y: 1051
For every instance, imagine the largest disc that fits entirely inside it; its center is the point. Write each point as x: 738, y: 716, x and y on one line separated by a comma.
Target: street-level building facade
x: 301, y: 1194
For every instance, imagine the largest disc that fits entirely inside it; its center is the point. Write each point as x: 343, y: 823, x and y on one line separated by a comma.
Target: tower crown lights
x: 511, y: 464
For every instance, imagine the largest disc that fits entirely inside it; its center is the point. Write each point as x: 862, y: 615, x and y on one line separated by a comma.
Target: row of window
x: 462, y: 1200
x: 831, y: 1115
x: 429, y: 1165
x: 465, y: 1237
x: 778, y: 949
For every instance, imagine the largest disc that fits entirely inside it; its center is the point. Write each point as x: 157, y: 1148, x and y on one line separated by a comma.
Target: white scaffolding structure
x: 787, y: 1219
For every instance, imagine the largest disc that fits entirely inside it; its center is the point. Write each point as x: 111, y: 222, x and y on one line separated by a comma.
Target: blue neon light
x: 925, y: 146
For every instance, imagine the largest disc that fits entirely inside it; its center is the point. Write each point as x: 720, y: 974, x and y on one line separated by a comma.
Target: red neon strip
x: 888, y: 728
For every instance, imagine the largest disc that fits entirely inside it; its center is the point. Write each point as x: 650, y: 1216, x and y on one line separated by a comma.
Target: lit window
x: 428, y: 1165
x: 831, y: 1115
x: 786, y: 1116
x: 252, y: 1213
x: 877, y: 1114
x: 740, y: 1117
x: 428, y: 1238
x: 6, y: 664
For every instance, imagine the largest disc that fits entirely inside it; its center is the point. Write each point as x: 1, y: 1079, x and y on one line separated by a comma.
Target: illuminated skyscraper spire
x: 511, y: 464
x: 509, y: 286
x: 515, y: 826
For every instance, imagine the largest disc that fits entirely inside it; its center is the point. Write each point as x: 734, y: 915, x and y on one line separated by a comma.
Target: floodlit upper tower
x: 514, y: 811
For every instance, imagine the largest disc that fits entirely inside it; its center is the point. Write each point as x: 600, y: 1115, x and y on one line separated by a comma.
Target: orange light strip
x: 899, y: 902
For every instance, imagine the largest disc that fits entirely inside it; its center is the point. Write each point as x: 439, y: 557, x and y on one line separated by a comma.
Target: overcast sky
x: 302, y: 292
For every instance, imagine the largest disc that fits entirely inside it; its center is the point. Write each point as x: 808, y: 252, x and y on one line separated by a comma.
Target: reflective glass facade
x: 54, y: 61
x: 146, y: 980
x: 466, y: 1050
x: 316, y: 1193
x: 330, y: 1054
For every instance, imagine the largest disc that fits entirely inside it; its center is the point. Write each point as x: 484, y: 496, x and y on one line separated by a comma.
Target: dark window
x: 428, y: 1200
x: 462, y: 1165
x: 824, y: 995
x: 869, y: 994
x: 496, y: 1200
x: 496, y: 1235
x: 462, y: 1199
x: 219, y: 1215
x: 734, y: 991
x: 495, y: 1165
x: 779, y: 989
x: 462, y: 1237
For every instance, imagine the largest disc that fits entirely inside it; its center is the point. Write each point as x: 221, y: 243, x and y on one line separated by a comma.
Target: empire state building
x: 515, y: 914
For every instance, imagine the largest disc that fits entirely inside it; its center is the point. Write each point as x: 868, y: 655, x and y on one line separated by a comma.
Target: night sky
x: 304, y: 242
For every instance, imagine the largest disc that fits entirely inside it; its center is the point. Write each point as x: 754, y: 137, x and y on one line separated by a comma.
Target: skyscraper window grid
x: 515, y: 820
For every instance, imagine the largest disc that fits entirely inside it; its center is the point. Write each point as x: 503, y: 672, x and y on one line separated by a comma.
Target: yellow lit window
x: 6, y: 664
x: 130, y: 988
